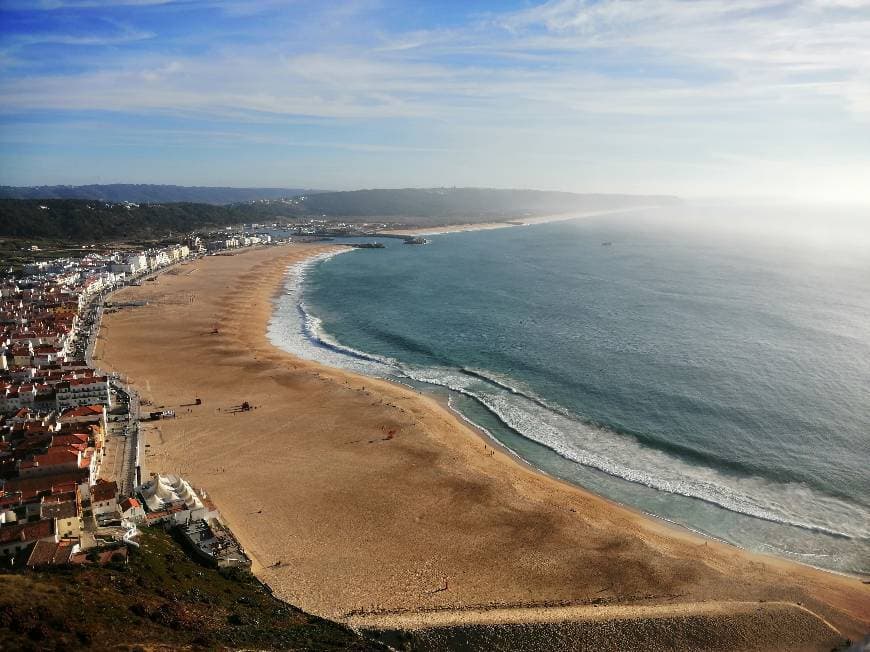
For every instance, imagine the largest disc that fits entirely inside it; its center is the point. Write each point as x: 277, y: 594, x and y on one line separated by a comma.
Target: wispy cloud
x: 650, y: 57
x: 54, y: 5
x: 554, y: 78
x: 120, y: 38
x: 238, y: 7
x: 756, y: 42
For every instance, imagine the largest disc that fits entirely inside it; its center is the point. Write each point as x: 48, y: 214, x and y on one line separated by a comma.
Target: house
x: 17, y: 538
x: 66, y: 514
x: 56, y: 460
x: 104, y: 498
x: 83, y: 391
x: 22, y: 491
x: 84, y: 414
x: 132, y: 510
x: 91, y: 415
x: 49, y: 553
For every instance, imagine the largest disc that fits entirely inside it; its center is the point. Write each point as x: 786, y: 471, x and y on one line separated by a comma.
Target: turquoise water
x: 699, y: 367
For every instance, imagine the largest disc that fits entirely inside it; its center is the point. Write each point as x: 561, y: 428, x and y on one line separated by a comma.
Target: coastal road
x: 122, y: 441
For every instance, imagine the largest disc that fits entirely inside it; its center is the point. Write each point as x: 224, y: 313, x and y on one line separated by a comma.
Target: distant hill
x: 87, y: 220
x: 465, y: 204
x: 81, y: 220
x: 139, y: 193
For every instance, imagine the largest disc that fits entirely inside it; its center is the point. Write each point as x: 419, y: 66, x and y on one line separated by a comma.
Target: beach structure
x: 211, y: 541
x: 171, y: 499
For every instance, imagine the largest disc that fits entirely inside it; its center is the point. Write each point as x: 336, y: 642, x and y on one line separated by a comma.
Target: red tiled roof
x: 26, y: 531
x: 57, y: 455
x: 130, y: 503
x: 31, y: 487
x: 87, y: 381
x: 48, y: 553
x: 69, y: 439
x: 104, y: 490
x: 82, y: 411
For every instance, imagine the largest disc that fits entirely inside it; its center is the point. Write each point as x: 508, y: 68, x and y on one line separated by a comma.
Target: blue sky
x: 696, y: 98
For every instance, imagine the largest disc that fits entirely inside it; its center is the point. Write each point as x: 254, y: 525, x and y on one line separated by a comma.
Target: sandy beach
x: 506, y: 223
x: 364, y: 501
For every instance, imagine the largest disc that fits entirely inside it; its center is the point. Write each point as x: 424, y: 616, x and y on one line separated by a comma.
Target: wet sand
x: 360, y: 499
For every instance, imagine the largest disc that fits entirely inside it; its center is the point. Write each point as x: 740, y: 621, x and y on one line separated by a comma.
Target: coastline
x: 545, y: 523
x: 509, y: 222
x: 673, y: 527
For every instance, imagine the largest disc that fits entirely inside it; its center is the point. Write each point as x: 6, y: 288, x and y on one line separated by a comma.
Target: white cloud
x: 574, y: 81
x: 752, y: 40
x: 125, y: 36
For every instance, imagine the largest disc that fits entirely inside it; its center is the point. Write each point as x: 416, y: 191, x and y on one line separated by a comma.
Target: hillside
x: 160, y: 600
x: 468, y: 204
x: 82, y: 220
x: 149, y: 193
x: 87, y: 221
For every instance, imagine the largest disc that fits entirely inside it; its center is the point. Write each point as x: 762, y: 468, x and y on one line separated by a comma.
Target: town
x: 71, y: 490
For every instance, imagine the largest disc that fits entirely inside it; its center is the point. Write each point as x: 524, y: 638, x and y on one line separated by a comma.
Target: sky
x: 697, y: 98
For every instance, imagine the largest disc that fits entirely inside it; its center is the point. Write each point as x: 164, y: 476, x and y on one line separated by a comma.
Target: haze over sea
x: 709, y: 365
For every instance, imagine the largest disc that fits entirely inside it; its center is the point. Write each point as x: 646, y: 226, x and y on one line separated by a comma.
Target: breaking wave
x: 621, y: 455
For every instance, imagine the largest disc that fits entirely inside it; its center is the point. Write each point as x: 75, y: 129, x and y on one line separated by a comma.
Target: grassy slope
x: 161, y: 599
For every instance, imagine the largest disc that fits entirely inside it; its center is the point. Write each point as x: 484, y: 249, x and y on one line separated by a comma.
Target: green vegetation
x: 91, y: 221
x: 148, y: 193
x: 162, y: 598
x: 15, y: 252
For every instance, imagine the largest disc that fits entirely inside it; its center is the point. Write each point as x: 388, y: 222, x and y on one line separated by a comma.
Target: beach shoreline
x: 468, y: 480
x: 445, y: 396
x: 509, y: 222
x: 490, y: 440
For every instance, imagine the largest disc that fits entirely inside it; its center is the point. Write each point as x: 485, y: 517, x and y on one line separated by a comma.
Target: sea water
x: 707, y: 365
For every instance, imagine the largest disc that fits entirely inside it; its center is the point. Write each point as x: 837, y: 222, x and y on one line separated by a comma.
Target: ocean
x: 707, y: 365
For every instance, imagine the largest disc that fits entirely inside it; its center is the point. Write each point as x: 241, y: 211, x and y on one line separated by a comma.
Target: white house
x: 132, y: 510
x: 104, y: 498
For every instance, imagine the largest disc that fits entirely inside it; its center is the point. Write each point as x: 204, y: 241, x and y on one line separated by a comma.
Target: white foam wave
x: 313, y: 329
x: 624, y: 457
x: 295, y: 329
x: 513, y: 387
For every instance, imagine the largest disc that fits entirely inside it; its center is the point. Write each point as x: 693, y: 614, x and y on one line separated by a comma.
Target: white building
x: 133, y: 264
x: 132, y: 510
x: 83, y: 391
x: 173, y: 495
x: 104, y: 498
